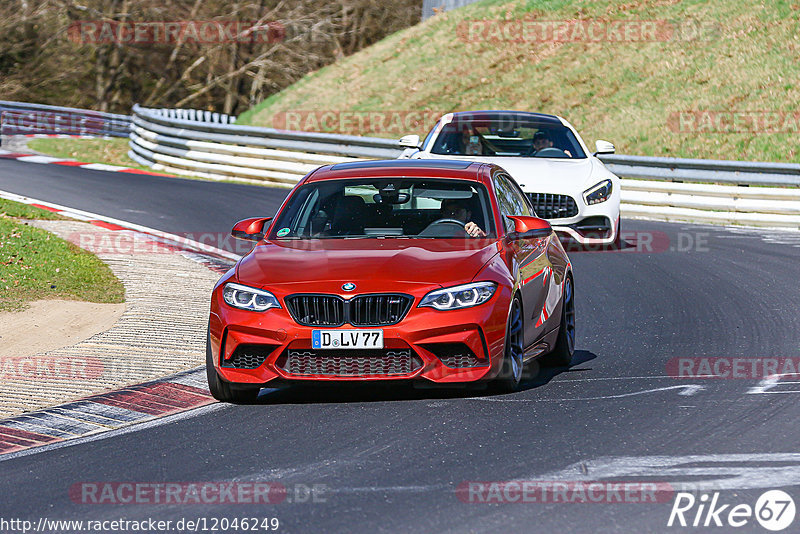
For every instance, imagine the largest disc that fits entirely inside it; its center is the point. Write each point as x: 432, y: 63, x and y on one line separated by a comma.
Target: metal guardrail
x: 712, y: 191
x: 214, y: 146
x: 221, y: 149
x: 21, y: 118
x: 704, y: 170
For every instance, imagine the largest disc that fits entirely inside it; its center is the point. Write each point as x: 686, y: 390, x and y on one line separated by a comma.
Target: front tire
x: 511, y: 374
x: 561, y: 356
x: 221, y: 390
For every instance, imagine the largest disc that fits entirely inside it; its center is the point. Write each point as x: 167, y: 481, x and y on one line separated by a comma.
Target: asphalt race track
x: 392, y: 459
x: 171, y: 205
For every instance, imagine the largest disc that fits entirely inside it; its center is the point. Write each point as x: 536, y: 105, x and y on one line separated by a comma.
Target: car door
x: 532, y: 264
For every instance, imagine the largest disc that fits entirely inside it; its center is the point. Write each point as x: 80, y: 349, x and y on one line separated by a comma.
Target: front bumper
x: 593, y: 230
x: 596, y: 224
x: 443, y: 346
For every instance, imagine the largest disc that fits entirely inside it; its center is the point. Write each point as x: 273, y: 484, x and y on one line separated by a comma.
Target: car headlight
x: 598, y: 193
x: 249, y: 298
x: 454, y: 298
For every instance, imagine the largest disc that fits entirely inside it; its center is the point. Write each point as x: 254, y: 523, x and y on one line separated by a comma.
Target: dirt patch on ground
x: 52, y: 324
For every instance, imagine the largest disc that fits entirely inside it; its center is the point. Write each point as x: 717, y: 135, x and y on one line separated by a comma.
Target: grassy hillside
x: 727, y: 57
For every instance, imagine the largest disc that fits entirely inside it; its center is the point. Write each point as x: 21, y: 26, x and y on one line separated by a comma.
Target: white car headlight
x: 464, y: 296
x: 598, y: 193
x: 249, y: 298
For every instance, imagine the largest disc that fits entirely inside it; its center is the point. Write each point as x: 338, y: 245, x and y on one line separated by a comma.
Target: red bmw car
x: 420, y: 270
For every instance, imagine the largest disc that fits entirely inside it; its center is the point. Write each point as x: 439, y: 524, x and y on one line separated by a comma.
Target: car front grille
x: 349, y: 363
x: 316, y: 310
x: 552, y: 206
x: 378, y: 310
x: 248, y: 356
x: 362, y: 310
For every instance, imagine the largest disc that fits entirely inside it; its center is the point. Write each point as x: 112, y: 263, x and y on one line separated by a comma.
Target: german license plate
x: 347, y: 339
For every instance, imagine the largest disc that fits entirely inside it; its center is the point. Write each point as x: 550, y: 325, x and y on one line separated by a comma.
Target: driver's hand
x: 474, y: 230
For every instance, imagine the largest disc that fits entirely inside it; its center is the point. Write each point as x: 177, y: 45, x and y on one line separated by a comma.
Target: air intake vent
x: 248, y: 356
x: 456, y: 355
x: 349, y: 363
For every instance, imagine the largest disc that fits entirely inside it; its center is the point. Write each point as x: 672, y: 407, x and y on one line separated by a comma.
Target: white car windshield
x: 507, y: 135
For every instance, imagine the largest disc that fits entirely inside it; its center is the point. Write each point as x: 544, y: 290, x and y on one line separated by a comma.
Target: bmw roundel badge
x: 349, y: 286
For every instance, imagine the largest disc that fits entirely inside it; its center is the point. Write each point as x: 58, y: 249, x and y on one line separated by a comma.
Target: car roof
x: 489, y: 114
x: 424, y: 168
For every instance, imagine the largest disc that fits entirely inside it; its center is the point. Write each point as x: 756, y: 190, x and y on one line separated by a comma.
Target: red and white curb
x: 105, y: 412
x: 216, y: 259
x: 31, y: 158
x: 130, y: 405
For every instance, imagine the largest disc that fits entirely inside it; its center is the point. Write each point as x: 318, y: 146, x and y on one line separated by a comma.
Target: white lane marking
x: 722, y: 471
x: 766, y: 384
x: 135, y: 427
x: 101, y: 167
x: 568, y: 380
x: 381, y: 489
x: 39, y: 159
x: 76, y: 213
x: 686, y: 390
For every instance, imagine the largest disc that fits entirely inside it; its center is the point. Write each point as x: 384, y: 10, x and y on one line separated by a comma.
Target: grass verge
x: 113, y: 151
x: 17, y: 210
x: 36, y: 265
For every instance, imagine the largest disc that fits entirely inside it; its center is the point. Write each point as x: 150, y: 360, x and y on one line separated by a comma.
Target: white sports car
x: 565, y: 182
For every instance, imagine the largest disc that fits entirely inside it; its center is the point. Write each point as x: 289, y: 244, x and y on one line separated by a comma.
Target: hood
x: 543, y: 175
x: 373, y: 264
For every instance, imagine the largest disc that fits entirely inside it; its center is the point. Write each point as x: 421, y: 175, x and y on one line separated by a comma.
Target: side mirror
x: 409, y: 141
x: 603, y: 147
x: 250, y: 229
x: 529, y: 228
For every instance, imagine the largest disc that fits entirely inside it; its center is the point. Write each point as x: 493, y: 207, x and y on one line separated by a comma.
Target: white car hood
x: 542, y: 175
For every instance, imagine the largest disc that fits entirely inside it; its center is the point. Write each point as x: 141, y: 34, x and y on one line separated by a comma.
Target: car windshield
x: 385, y: 208
x: 507, y: 135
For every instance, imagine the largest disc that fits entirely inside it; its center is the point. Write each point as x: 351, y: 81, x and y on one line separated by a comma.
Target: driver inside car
x: 458, y: 209
x: 471, y: 143
x: 541, y: 141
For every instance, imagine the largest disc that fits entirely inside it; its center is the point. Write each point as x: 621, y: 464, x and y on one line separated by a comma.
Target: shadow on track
x: 347, y: 392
